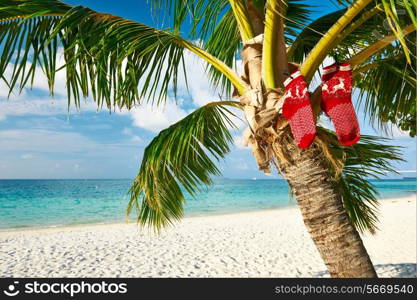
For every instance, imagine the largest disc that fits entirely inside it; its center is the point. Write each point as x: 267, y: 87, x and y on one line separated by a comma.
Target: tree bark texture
x: 327, y: 221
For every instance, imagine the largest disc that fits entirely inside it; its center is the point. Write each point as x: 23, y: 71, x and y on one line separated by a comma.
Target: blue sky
x: 39, y: 139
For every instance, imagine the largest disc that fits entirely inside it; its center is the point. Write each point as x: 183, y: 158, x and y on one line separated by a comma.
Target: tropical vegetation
x: 121, y: 63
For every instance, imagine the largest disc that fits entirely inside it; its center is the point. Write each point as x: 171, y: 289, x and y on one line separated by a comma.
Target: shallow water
x: 29, y: 203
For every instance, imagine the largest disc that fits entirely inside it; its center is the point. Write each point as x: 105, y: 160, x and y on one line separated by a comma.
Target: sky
x: 41, y: 138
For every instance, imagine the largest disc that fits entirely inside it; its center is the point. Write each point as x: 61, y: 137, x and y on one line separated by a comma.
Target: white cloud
x: 239, y: 142
x: 136, y: 139
x: 157, y: 118
x: 242, y: 165
x: 199, y: 87
x: 133, y: 138
x: 27, y: 156
x: 47, y: 141
x: 398, y: 133
x: 24, y: 105
x: 35, y: 153
x: 127, y: 131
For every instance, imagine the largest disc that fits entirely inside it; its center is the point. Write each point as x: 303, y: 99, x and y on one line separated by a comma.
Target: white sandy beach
x: 271, y: 243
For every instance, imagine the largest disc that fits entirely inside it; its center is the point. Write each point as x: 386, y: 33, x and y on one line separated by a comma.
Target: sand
x: 272, y: 243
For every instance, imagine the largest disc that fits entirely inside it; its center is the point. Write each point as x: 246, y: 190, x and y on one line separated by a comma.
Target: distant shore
x: 268, y: 243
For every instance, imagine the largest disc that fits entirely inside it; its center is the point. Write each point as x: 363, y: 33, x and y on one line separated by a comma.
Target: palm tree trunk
x: 337, y: 241
x: 307, y: 172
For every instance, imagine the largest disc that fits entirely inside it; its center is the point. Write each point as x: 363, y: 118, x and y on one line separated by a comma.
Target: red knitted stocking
x: 337, y: 103
x: 297, y: 110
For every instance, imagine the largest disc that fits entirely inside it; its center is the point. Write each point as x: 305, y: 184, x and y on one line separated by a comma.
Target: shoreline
x: 230, y: 213
x: 111, y: 224
x: 266, y: 243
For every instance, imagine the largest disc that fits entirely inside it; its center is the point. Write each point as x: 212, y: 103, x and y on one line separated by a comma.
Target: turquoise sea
x: 44, y: 203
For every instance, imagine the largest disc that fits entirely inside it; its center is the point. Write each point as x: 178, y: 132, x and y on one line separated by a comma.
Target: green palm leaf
x: 14, y: 8
x: 391, y: 8
x: 118, y: 60
x: 367, y: 32
x: 311, y: 34
x: 180, y: 157
x: 224, y: 42
x: 202, y: 16
x: 297, y: 17
x: 371, y: 158
x: 387, y: 89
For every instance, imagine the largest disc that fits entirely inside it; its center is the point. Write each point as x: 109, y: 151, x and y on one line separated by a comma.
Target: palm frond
x: 180, y: 158
x: 388, y: 89
x: 201, y: 16
x: 224, y: 42
x: 118, y: 61
x: 11, y: 9
x: 371, y: 158
x: 360, y: 31
x: 391, y: 9
x: 274, y: 61
x: 297, y: 17
x: 368, y: 159
x: 104, y: 54
x: 241, y: 13
x: 311, y: 34
x: 363, y: 30
x: 326, y: 43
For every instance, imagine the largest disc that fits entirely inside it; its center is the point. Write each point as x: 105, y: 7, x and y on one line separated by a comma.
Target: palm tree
x: 121, y: 63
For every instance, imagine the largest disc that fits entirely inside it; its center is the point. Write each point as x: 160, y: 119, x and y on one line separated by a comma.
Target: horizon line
x: 228, y: 178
